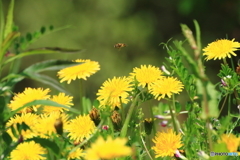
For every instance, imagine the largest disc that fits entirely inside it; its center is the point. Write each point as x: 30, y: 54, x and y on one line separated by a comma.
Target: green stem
x: 209, y: 134
x: 128, y: 118
x: 173, y: 116
x: 224, y: 101
x: 81, y: 95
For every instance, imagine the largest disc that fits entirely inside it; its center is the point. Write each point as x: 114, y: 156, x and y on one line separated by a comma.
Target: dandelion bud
x: 238, y: 70
x: 95, y: 116
x: 117, y: 120
x: 148, y: 125
x: 59, y: 126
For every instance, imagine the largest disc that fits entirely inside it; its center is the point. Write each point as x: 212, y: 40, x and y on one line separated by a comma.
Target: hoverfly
x: 120, y: 45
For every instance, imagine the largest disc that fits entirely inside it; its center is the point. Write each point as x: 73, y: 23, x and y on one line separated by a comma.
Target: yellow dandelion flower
x: 146, y: 74
x: 165, y: 87
x: 231, y: 141
x: 76, y: 154
x: 28, y: 95
x: 46, y: 124
x: 61, y: 98
x: 109, y: 149
x: 29, y: 119
x: 81, y: 127
x: 221, y: 49
x: 27, y: 151
x: 81, y: 71
x: 113, y: 90
x: 166, y: 143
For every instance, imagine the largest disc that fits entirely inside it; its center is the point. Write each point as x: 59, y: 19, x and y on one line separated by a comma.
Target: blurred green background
x: 96, y: 25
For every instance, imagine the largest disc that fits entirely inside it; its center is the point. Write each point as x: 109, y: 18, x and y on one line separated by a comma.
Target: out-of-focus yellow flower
x: 81, y: 71
x: 28, y: 151
x: 221, y: 49
x: 76, y: 154
x: 29, y: 119
x: 109, y: 149
x: 46, y: 124
x: 231, y: 141
x: 28, y: 95
x: 61, y: 98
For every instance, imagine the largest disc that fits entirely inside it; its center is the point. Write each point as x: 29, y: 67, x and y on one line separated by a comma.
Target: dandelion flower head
x: 165, y: 87
x: 81, y: 127
x: 28, y: 95
x: 166, y: 143
x: 29, y: 119
x: 81, y: 71
x: 114, y: 91
x: 27, y: 151
x: 61, y: 98
x: 76, y: 154
x: 45, y: 126
x: 109, y: 149
x: 221, y: 49
x: 146, y: 74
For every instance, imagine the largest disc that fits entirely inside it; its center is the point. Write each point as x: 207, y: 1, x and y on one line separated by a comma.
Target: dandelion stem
x: 81, y: 94
x: 146, y: 149
x: 224, y: 101
x: 173, y: 115
x: 128, y: 118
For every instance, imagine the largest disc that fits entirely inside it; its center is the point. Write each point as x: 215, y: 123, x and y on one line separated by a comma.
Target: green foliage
x: 135, y: 120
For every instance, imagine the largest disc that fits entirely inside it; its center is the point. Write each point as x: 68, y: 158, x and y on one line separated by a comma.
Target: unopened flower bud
x: 238, y: 70
x: 117, y: 120
x: 95, y: 116
x: 59, y: 126
x: 148, y: 125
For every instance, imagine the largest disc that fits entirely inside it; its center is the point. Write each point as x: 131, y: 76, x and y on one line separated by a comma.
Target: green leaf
x: 47, y: 80
x: 46, y: 143
x: 22, y: 126
x: 13, y: 130
x: 11, y: 80
x: 9, y: 21
x: 211, y: 110
x: 8, y: 41
x: 46, y: 50
x: 50, y: 65
x: 2, y: 23
x: 44, y: 103
x: 29, y: 36
x: 178, y: 107
x: 43, y: 30
x: 7, y: 138
x: 2, y: 104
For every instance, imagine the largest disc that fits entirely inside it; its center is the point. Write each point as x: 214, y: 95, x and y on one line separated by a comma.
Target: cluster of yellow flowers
x: 113, y: 92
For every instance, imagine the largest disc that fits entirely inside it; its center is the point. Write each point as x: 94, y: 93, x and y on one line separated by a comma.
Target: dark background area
x: 142, y: 24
